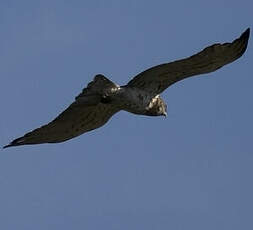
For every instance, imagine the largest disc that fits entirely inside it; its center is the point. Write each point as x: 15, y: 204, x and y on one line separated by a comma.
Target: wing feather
x: 71, y: 123
x: 83, y: 115
x: 158, y: 78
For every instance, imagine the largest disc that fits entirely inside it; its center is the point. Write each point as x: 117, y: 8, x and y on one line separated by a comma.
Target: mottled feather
x: 156, y: 79
x: 83, y: 115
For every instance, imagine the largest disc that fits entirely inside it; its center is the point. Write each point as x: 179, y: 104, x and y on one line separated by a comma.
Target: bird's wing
x: 83, y: 115
x: 156, y: 79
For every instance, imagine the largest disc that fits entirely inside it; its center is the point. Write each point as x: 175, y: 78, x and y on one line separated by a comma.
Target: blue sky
x: 192, y: 170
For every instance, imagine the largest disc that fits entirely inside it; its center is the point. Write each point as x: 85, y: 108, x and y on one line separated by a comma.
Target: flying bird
x: 102, y: 98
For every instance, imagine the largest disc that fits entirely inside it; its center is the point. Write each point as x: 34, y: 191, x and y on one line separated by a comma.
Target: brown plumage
x: 156, y: 79
x: 101, y: 99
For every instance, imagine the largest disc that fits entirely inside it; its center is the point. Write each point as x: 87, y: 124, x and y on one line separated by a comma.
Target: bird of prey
x: 102, y: 98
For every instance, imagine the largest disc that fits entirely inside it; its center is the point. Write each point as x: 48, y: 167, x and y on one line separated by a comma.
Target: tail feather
x: 99, y: 86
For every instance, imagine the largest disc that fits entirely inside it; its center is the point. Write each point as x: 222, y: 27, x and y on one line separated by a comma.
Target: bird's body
x: 135, y: 101
x: 102, y: 98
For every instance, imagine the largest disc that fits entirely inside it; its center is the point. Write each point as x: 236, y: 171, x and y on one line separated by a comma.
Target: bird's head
x: 157, y: 107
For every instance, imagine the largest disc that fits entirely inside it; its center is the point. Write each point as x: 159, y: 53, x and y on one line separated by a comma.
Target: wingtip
x: 245, y: 35
x: 9, y: 145
x: 6, y: 146
x: 243, y: 41
x: 15, y: 142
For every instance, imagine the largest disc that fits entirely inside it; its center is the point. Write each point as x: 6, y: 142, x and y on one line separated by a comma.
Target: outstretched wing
x: 156, y: 79
x: 83, y: 115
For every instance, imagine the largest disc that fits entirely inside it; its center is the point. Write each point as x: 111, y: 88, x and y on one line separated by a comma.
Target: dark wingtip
x: 245, y: 35
x: 10, y: 145
x: 243, y: 41
x: 6, y: 146
x: 16, y: 142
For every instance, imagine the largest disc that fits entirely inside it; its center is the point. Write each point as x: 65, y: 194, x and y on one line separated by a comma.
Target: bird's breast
x: 133, y: 100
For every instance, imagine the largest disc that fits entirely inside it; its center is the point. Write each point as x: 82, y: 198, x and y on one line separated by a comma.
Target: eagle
x: 102, y: 98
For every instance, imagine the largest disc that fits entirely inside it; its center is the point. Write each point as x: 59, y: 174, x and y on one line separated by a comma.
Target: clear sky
x: 189, y: 171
